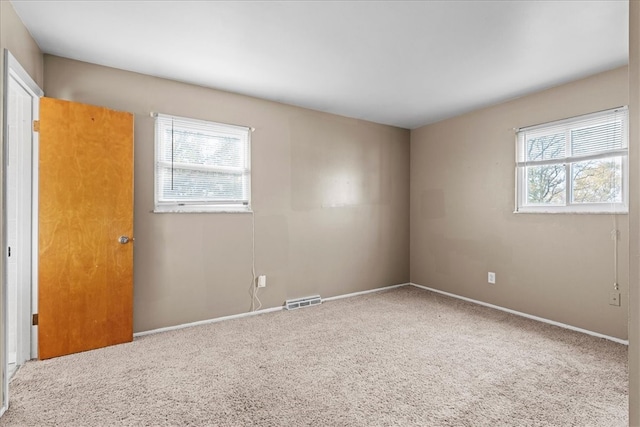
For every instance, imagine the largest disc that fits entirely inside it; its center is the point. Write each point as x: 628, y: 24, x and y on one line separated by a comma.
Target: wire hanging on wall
x: 172, y: 149
x: 612, y: 185
x: 255, y: 289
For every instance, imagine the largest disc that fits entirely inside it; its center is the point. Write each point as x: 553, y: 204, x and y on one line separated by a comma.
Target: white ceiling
x: 401, y: 63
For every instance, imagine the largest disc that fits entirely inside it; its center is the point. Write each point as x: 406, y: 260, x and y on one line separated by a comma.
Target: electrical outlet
x: 262, y: 281
x: 491, y: 277
x: 614, y: 298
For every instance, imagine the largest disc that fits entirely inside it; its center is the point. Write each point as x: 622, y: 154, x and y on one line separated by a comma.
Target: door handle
x: 124, y: 240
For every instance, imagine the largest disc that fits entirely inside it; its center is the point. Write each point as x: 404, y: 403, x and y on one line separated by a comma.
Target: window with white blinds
x: 574, y: 165
x: 201, y: 166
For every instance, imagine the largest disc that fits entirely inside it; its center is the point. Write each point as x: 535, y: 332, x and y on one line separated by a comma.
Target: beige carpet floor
x: 403, y: 357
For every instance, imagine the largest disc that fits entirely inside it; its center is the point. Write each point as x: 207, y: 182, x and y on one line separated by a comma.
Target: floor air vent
x: 292, y: 304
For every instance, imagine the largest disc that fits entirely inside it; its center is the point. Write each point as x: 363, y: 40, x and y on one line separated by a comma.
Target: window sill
x: 200, y: 209
x: 571, y: 212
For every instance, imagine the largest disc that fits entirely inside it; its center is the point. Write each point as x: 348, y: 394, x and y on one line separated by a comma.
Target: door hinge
x: 34, y: 320
x: 36, y: 125
x: 9, y: 255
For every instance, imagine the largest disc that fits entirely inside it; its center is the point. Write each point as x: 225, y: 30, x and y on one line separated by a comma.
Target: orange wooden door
x: 85, y: 277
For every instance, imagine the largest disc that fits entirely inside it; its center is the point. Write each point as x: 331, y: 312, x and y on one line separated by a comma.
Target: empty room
x: 341, y: 213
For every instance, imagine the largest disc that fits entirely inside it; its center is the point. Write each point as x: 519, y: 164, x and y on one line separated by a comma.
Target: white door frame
x: 14, y: 72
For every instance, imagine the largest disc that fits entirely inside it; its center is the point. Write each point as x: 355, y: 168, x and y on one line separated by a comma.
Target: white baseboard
x: 207, y: 321
x: 253, y: 313
x: 353, y: 294
x: 528, y: 316
x: 368, y: 291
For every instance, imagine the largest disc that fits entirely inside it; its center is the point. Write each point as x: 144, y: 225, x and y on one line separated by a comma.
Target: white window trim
x: 568, y: 207
x: 194, y: 206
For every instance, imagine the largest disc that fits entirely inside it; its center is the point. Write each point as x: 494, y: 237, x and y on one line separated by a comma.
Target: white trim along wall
x: 386, y: 288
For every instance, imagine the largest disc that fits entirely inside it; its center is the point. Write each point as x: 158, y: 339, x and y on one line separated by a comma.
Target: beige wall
x: 330, y: 196
x: 15, y: 37
x: 634, y: 213
x: 558, y: 267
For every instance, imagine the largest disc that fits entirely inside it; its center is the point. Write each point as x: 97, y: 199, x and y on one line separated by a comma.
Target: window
x: 574, y: 165
x: 201, y: 166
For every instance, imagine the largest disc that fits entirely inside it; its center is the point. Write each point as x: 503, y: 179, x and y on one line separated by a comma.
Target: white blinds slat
x: 571, y: 139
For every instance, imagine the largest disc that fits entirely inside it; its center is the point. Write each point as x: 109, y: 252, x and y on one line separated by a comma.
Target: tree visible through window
x: 546, y: 183
x: 574, y: 165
